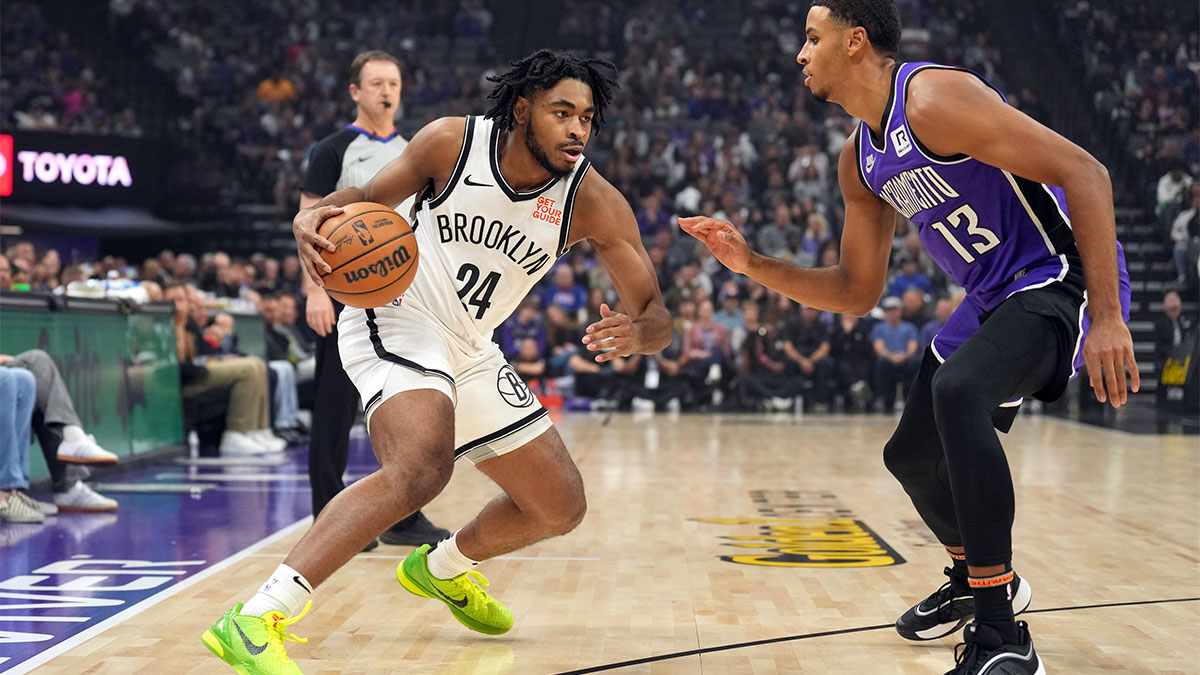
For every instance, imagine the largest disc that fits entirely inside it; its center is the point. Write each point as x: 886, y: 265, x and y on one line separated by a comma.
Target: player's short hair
x: 541, y: 71
x: 359, y: 61
x: 879, y: 18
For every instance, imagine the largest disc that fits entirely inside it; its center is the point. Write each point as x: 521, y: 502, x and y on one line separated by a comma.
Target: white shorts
x: 391, y: 349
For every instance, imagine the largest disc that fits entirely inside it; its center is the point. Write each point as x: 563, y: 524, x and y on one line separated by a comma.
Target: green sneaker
x: 470, y: 604
x: 253, y: 645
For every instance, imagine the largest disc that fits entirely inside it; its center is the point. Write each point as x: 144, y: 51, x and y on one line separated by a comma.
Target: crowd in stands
x: 737, y: 346
x: 1142, y: 64
x: 46, y: 83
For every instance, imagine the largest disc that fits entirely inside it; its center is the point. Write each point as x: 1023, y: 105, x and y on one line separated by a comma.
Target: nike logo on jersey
x: 468, y: 181
x: 870, y: 163
x: 252, y: 648
x: 364, y: 158
x: 496, y: 236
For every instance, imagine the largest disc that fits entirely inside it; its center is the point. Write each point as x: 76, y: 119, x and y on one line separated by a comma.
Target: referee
x: 349, y: 158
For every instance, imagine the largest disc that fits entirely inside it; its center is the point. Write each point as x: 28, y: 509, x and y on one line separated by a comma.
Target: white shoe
x: 83, y: 498
x: 85, y: 451
x: 641, y: 404
x: 241, y: 444
x: 268, y: 440
x: 46, y: 508
x: 16, y: 510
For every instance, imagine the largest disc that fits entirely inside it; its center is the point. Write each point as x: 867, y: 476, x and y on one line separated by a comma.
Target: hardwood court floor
x: 1103, y: 518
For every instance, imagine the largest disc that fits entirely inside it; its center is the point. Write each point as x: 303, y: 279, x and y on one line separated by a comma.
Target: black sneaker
x: 950, y: 608
x: 420, y: 532
x: 374, y: 544
x: 983, y: 652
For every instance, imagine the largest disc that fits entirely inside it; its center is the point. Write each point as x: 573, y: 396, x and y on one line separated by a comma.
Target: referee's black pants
x: 946, y: 451
x: 335, y: 409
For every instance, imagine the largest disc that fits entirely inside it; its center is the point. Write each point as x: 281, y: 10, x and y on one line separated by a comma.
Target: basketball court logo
x: 900, y: 140
x: 512, y: 388
x: 6, y: 162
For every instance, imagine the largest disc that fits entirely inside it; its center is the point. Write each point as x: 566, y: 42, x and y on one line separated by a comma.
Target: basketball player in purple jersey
x: 1021, y: 218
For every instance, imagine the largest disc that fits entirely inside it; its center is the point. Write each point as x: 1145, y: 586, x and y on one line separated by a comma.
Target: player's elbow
x: 862, y: 302
x: 1087, y: 171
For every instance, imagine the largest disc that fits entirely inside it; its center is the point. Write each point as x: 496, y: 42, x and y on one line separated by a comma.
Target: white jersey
x: 483, y: 245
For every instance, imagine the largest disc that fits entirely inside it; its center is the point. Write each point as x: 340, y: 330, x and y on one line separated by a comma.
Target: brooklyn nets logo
x: 512, y: 388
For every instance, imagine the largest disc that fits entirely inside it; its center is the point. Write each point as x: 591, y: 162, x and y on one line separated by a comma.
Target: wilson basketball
x: 376, y: 255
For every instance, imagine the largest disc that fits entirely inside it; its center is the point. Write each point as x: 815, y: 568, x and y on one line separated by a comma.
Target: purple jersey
x: 993, y: 232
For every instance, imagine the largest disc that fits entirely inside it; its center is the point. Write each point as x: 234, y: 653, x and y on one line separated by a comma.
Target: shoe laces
x: 965, y: 656
x: 470, y: 590
x: 276, y: 634
x: 939, y: 597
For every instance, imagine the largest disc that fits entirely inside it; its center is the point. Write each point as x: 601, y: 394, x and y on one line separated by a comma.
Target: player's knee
x: 39, y: 358
x: 954, y: 391
x: 894, y: 456
x: 565, y: 513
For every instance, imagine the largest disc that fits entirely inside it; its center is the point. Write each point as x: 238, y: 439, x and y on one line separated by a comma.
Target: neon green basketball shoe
x: 469, y: 603
x: 253, y: 645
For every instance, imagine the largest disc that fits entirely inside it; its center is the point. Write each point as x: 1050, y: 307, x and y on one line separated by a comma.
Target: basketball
x: 376, y: 255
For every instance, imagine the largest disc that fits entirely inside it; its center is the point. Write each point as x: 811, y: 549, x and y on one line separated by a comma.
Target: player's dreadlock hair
x: 542, y: 70
x: 879, y: 18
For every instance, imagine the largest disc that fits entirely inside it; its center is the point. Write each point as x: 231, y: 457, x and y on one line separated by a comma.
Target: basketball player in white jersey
x: 500, y: 198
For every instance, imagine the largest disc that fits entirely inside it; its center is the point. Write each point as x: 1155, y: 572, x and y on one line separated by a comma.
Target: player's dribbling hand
x: 318, y: 311
x: 1108, y: 352
x: 613, y: 332
x: 722, y: 238
x: 304, y: 229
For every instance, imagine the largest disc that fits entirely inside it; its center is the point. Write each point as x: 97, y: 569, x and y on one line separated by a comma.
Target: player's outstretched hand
x: 722, y: 238
x: 1108, y: 352
x: 304, y: 229
x: 613, y: 333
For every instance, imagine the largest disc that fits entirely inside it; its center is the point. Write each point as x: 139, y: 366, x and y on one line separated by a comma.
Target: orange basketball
x: 376, y: 256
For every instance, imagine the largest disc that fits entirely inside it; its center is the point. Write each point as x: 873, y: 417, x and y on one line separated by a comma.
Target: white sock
x: 73, y: 433
x: 286, y: 591
x: 446, y: 561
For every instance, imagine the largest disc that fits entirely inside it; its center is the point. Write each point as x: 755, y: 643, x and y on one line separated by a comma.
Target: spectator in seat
x: 1170, y: 327
x: 895, y: 345
x: 1184, y: 231
x: 247, y: 420
x: 853, y: 353
x: 63, y: 440
x: 566, y: 293
x: 910, y: 277
x: 806, y: 344
x: 525, y: 324
x: 16, y: 409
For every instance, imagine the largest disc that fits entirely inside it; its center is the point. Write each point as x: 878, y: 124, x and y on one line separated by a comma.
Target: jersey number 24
x: 481, y: 299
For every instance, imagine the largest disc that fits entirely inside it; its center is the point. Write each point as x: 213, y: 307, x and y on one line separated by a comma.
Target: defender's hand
x: 1108, y: 352
x: 722, y: 238
x: 304, y: 229
x: 613, y: 332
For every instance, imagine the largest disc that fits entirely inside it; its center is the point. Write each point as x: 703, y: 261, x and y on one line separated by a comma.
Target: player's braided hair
x: 542, y: 70
x: 879, y: 18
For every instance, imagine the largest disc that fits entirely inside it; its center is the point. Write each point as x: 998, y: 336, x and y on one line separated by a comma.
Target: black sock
x: 958, y: 570
x: 993, y: 603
